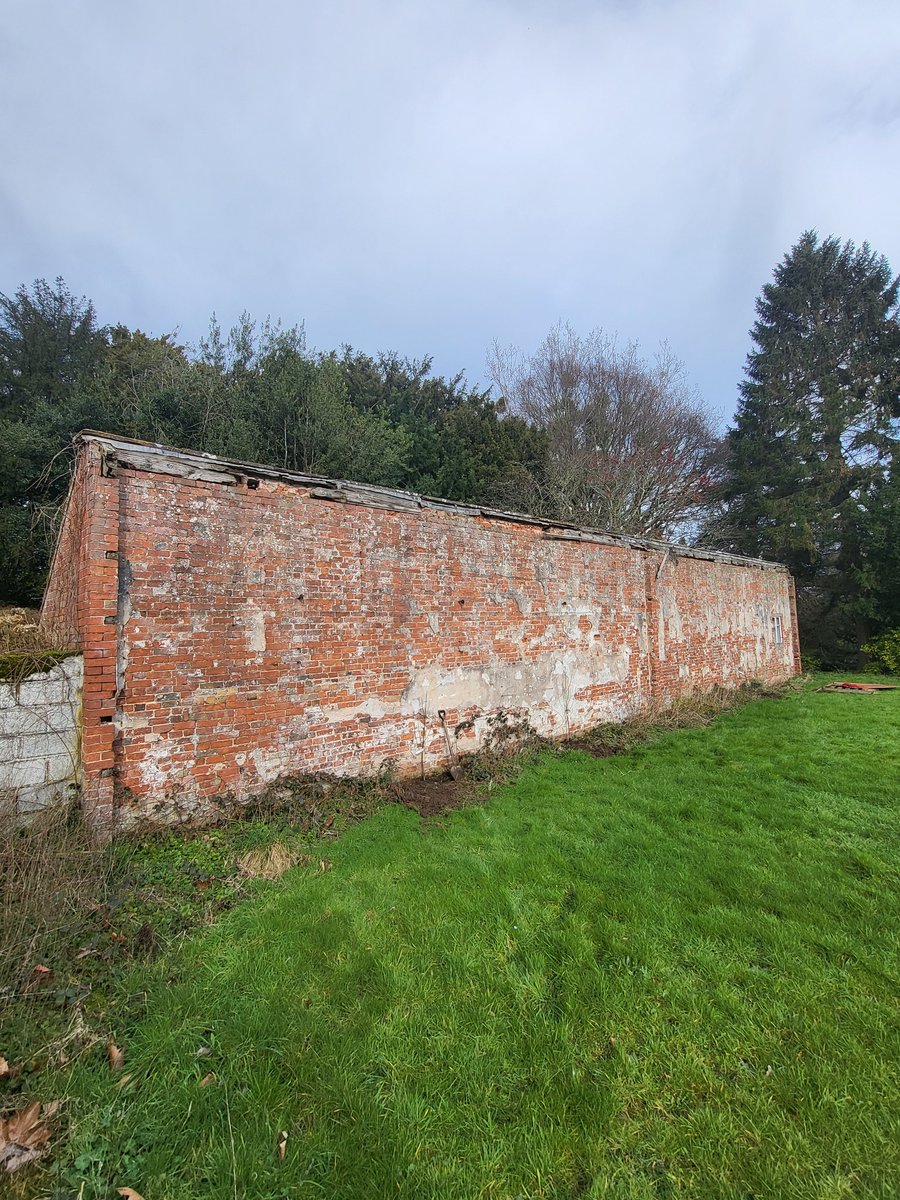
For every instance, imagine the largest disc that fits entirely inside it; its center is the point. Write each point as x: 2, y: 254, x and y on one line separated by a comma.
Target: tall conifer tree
x: 816, y: 430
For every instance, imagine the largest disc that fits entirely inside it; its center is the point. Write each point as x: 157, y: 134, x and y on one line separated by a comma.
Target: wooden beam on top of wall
x: 601, y: 539
x: 561, y: 534
x: 369, y: 499
x: 161, y: 464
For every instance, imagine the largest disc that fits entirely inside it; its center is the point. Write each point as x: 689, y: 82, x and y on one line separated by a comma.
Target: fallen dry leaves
x: 116, y: 1057
x: 129, y: 1194
x: 8, y: 1072
x: 25, y: 1136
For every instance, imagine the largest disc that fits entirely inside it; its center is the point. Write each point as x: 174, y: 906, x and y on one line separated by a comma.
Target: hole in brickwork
x: 252, y: 484
x: 106, y: 720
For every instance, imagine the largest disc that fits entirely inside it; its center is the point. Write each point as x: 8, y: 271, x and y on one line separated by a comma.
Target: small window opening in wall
x: 252, y: 484
x: 777, y: 631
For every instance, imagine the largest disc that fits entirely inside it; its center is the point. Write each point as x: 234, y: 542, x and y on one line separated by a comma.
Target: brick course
x: 242, y: 627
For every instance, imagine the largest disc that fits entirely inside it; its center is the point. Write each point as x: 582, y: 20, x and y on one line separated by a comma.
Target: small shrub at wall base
x: 884, y: 654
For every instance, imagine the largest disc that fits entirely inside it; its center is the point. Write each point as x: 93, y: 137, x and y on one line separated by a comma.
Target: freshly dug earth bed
x: 595, y: 749
x: 429, y: 797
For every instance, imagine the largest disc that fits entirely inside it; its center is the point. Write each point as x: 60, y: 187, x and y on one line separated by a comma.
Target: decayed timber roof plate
x: 210, y: 468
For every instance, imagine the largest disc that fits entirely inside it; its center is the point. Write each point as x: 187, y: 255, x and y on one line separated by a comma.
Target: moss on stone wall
x: 18, y: 665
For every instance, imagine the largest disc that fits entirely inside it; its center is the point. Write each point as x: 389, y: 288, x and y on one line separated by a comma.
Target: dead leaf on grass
x: 207, y: 1079
x: 282, y: 1145
x: 116, y: 1057
x: 24, y: 1136
x: 325, y: 864
x: 8, y: 1072
x: 41, y: 975
x: 268, y: 863
x: 129, y: 1194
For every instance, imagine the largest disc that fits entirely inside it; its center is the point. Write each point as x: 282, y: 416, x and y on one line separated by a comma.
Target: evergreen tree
x: 51, y: 350
x: 462, y: 445
x: 816, y: 432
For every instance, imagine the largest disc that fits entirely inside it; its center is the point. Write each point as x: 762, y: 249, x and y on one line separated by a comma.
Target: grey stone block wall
x: 40, y: 721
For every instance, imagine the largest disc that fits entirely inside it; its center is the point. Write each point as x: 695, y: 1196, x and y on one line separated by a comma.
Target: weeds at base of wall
x: 509, y: 744
x: 687, y: 712
x: 52, y: 878
x: 310, y: 804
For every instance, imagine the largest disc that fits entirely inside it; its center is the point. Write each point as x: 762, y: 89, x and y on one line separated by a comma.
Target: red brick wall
x: 713, y: 624
x: 62, y: 609
x: 80, y: 607
x: 259, y: 632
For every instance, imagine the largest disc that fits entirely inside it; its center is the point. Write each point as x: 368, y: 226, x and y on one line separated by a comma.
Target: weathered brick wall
x: 242, y: 629
x: 80, y: 608
x: 713, y: 624
x: 62, y: 612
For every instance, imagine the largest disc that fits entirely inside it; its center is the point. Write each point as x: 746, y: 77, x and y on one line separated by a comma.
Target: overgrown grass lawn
x: 670, y: 973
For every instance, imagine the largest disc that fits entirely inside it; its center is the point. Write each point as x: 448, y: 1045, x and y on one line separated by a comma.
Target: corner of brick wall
x: 81, y: 600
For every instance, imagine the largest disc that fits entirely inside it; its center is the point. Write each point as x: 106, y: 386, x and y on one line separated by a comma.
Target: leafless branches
x: 630, y: 447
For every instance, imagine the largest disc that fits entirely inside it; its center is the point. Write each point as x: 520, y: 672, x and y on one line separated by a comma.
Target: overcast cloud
x: 428, y: 177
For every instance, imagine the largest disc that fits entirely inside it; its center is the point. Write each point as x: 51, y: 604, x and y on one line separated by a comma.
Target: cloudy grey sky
x: 427, y: 177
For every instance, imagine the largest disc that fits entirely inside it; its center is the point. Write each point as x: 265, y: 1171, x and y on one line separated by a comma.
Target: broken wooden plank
x: 368, y: 499
x: 163, y: 464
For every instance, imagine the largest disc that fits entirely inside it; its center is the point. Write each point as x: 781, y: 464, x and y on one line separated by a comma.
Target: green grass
x: 670, y: 973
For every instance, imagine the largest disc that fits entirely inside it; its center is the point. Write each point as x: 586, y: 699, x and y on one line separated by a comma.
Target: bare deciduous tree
x: 631, y: 448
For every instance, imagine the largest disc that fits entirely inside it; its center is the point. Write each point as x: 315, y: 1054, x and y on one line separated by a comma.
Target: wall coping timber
x: 210, y: 468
